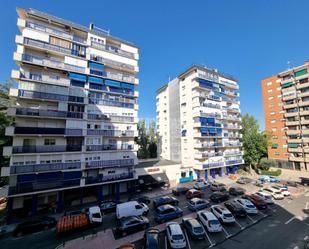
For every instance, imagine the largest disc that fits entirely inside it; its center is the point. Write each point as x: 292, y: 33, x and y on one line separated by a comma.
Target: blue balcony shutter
x: 219, y: 130
x: 95, y: 80
x: 26, y: 178
x: 72, y: 175
x: 96, y: 66
x: 212, y: 130
x: 112, y: 83
x: 204, y: 130
x: 203, y: 120
x: 127, y: 86
x: 78, y: 77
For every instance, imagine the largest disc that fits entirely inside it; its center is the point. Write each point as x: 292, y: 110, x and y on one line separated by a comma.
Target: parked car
x: 217, y: 186
x: 196, y: 204
x: 269, y: 179
x: 247, y: 205
x: 94, y: 214
x: 243, y: 180
x: 175, y: 235
x: 34, y: 225
x: 192, y: 193
x: 276, y: 194
x: 167, y: 212
x: 265, y: 197
x: 131, y: 208
x: 259, y: 183
x: 292, y: 184
x: 140, y: 199
x: 194, y: 228
x: 236, y: 191
x: 256, y: 200
x: 131, y: 224
x: 235, y: 208
x: 210, y: 221
x: 219, y: 197
x: 165, y: 200
x: 180, y: 191
x: 283, y: 190
x: 108, y: 207
x: 200, y: 185
x: 222, y: 213
x: 151, y: 238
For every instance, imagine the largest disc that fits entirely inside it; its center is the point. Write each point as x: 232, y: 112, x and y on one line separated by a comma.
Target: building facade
x: 198, y: 116
x: 75, y: 114
x: 286, y: 111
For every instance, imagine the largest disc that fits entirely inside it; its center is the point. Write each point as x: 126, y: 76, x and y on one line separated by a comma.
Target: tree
x: 142, y: 140
x: 266, y: 163
x: 254, y: 142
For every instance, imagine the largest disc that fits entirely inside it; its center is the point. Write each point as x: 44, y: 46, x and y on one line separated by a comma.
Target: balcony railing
x: 49, y: 131
x: 50, y: 96
x: 46, y: 148
x: 209, y: 145
x: 109, y: 178
x: 110, y: 118
x: 44, y: 167
x: 231, y: 162
x: 210, y: 154
x: 112, y: 49
x: 232, y: 144
x: 103, y: 147
x: 54, y: 31
x: 110, y: 133
x: 110, y: 163
x: 48, y: 46
x: 110, y: 103
x: 111, y: 62
x: 213, y: 165
x: 48, y: 113
x: 120, y: 76
x: 40, y: 186
x: 44, y: 61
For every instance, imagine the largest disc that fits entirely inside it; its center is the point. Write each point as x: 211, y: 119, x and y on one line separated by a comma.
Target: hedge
x: 271, y: 173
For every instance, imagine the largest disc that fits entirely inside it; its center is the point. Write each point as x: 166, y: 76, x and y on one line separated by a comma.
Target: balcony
x: 54, y: 31
x: 111, y: 133
x: 112, y: 63
x: 111, y: 103
x: 296, y: 159
x: 48, y: 113
x: 304, y: 121
x: 234, y: 162
x: 42, y: 186
x: 208, y: 145
x: 304, y: 113
x: 231, y: 109
x: 213, y: 165
x: 45, y: 148
x: 207, y: 155
x: 291, y: 123
x: 47, y: 131
x: 296, y: 150
x: 303, y: 103
x: 110, y: 163
x: 107, y: 147
x: 112, y: 49
x: 120, y: 77
x: 44, y: 167
x: 47, y: 62
x: 121, y: 119
x: 303, y: 85
x: 292, y: 132
x: 110, y: 178
x: 49, y: 96
x: 232, y: 145
x: 48, y: 46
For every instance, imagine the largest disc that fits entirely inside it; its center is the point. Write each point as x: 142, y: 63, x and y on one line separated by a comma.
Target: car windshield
x: 198, y: 229
x: 228, y: 215
x: 250, y: 206
x: 267, y: 197
x: 177, y: 237
x: 96, y: 215
x: 214, y: 222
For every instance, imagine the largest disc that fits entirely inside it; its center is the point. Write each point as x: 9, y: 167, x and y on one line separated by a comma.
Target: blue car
x: 167, y: 212
x: 196, y: 204
x: 269, y: 179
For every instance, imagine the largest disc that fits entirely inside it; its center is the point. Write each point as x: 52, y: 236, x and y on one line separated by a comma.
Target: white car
x: 223, y: 214
x: 210, y: 221
x: 175, y: 235
x: 247, y: 205
x: 276, y: 194
x: 265, y: 196
x: 283, y: 190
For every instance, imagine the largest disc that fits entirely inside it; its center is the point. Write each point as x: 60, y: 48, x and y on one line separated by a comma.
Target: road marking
x: 188, y: 241
x: 211, y: 245
x: 241, y: 227
x: 307, y: 205
x: 253, y: 220
x: 288, y: 221
x: 165, y: 242
x: 306, y: 237
x: 227, y: 234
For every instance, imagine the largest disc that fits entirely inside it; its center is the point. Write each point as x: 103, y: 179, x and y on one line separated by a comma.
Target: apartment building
x: 198, y: 117
x: 75, y: 115
x: 286, y: 110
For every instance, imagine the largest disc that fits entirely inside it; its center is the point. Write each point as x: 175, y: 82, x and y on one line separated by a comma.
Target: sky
x: 250, y: 40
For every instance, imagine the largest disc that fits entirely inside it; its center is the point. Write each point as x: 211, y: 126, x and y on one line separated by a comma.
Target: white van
x: 131, y: 208
x: 95, y: 215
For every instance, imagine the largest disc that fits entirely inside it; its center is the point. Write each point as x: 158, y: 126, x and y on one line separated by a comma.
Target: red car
x: 256, y: 200
x: 193, y: 193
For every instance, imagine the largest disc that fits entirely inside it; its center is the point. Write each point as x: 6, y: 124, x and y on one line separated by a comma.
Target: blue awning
x: 96, y: 66
x: 204, y: 130
x: 127, y: 86
x: 212, y: 130
x: 95, y: 80
x: 112, y: 83
x: 78, y: 77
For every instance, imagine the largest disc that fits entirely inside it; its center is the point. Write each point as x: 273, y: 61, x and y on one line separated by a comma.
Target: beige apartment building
x: 198, y: 122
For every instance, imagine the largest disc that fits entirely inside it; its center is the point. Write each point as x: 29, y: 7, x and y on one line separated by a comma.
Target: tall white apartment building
x: 75, y: 115
x: 198, y: 117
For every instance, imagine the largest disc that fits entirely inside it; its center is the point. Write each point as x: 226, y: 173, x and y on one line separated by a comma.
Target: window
x: 272, y: 113
x: 270, y: 90
x: 269, y: 83
x: 273, y: 121
x: 49, y: 141
x: 60, y: 42
x: 277, y: 154
x: 270, y: 98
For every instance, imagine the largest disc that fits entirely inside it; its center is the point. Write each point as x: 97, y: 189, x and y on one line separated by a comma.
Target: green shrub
x: 271, y: 173
x: 266, y: 163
